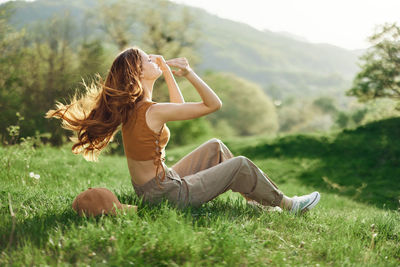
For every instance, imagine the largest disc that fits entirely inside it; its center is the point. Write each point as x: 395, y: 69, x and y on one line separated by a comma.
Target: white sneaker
x: 305, y: 203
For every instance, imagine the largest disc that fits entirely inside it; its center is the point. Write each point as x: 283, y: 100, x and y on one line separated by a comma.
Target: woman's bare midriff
x: 143, y: 171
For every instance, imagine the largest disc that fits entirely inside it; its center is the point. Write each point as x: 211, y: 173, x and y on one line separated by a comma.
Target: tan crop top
x: 141, y: 142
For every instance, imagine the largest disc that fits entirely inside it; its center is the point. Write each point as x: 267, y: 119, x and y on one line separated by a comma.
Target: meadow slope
x: 356, y: 223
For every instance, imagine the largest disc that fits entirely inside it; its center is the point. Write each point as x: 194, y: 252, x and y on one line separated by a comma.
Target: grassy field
x: 357, y: 222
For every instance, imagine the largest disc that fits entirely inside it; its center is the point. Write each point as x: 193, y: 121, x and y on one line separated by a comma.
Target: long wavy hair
x: 95, y: 115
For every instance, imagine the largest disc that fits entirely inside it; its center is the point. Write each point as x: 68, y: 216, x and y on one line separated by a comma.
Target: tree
x: 158, y: 27
x: 92, y: 59
x: 11, y: 60
x: 171, y: 31
x: 380, y: 72
x: 246, y: 108
x: 50, y: 73
x: 326, y: 104
x: 118, y: 20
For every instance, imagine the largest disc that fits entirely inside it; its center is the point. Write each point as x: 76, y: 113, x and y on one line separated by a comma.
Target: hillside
x: 362, y: 163
x: 280, y: 64
x: 273, y: 60
x: 354, y: 224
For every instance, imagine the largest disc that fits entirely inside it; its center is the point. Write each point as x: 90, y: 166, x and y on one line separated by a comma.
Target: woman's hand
x: 181, y: 63
x: 160, y: 61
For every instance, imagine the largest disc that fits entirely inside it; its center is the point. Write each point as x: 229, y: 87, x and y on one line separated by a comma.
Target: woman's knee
x: 241, y: 160
x: 214, y: 143
x: 219, y: 147
x: 217, y: 142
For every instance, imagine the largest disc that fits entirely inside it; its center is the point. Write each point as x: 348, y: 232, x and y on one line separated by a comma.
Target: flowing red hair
x: 95, y: 116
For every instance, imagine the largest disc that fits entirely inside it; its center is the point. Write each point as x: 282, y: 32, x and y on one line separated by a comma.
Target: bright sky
x: 344, y: 23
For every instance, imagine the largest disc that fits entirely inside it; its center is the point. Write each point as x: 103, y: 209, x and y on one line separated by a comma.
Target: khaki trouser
x: 205, y: 173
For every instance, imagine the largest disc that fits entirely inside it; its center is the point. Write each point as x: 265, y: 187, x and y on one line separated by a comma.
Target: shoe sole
x: 312, y: 203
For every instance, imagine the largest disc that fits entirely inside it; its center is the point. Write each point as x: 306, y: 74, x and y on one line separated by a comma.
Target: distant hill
x: 293, y: 36
x: 280, y: 63
x: 294, y: 67
x: 362, y: 163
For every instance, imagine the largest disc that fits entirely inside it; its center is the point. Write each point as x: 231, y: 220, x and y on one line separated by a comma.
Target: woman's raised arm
x: 184, y: 111
x: 175, y: 95
x: 209, y: 97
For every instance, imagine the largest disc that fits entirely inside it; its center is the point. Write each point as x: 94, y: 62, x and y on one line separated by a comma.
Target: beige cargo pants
x: 205, y: 173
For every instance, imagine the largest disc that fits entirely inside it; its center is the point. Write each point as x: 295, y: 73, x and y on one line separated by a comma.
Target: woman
x: 125, y: 99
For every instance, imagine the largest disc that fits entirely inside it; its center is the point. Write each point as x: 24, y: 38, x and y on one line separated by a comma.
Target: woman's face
x: 150, y: 70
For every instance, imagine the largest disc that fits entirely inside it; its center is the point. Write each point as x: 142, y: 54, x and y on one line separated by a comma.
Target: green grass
x: 363, y: 163
x: 354, y: 224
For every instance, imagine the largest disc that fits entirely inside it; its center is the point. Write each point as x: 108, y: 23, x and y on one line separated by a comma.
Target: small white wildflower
x: 37, y: 176
x: 31, y: 174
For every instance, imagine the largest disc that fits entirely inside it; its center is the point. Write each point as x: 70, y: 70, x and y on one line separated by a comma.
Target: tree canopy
x: 380, y: 71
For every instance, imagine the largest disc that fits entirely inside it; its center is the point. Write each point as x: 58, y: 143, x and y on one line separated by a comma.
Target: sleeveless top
x: 141, y: 142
